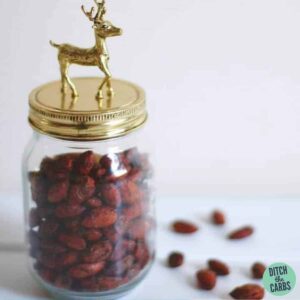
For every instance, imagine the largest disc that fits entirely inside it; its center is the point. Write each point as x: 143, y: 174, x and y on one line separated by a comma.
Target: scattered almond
x: 248, y: 291
x: 258, y: 270
x: 175, y: 260
x: 207, y: 279
x: 241, y: 233
x: 184, y: 227
x: 218, y: 217
x: 218, y: 267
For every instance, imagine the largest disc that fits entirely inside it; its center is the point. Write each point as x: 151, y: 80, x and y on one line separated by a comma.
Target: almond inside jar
x: 91, y: 226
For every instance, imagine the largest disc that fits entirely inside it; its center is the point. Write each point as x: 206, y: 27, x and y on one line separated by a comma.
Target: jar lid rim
x: 86, y: 117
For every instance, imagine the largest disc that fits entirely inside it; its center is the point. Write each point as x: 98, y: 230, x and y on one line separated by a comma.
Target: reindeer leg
x: 106, y: 81
x: 110, y: 91
x: 63, y: 78
x: 99, y: 95
x: 66, y: 78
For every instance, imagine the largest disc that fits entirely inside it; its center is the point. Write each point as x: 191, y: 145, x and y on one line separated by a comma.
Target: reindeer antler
x: 100, y: 13
x: 101, y: 10
x: 88, y: 14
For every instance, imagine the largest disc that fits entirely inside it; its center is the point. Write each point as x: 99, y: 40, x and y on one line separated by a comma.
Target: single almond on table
x: 218, y: 267
x: 184, y: 227
x: 258, y: 270
x: 248, y: 291
x: 241, y: 233
x: 206, y: 279
x: 218, y: 217
x: 176, y: 259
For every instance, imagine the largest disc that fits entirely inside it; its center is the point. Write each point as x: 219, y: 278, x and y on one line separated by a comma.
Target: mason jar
x: 88, y: 191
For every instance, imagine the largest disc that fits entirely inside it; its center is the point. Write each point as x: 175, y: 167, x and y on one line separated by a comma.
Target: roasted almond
x: 86, y: 270
x: 184, y: 227
x: 248, y: 291
x: 218, y: 267
x: 175, y: 260
x: 68, y: 211
x: 218, y: 217
x: 258, y: 270
x: 72, y: 241
x: 206, y: 279
x: 241, y: 233
x: 100, y: 217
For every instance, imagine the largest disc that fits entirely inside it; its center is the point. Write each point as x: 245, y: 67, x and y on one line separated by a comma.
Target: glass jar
x: 88, y: 191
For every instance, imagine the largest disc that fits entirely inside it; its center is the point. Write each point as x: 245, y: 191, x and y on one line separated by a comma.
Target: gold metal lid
x: 87, y: 118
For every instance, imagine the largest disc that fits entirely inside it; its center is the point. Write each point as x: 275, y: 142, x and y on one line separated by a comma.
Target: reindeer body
x: 95, y: 56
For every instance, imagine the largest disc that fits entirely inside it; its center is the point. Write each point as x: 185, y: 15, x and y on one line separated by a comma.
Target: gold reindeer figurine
x: 95, y: 56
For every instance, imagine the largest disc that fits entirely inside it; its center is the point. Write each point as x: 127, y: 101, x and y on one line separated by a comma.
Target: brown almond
x: 248, y: 291
x: 72, y: 241
x: 207, y: 279
x: 68, y: 211
x: 67, y: 259
x: 86, y: 270
x: 218, y: 217
x: 92, y: 235
x: 52, y: 247
x: 58, y: 192
x: 218, y: 267
x: 175, y: 260
x: 98, y: 252
x: 184, y: 227
x: 258, y: 270
x: 100, y: 218
x: 241, y: 233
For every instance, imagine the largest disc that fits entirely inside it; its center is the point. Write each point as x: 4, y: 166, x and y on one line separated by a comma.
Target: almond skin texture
x: 84, y: 163
x: 130, y: 192
x: 68, y: 211
x: 92, y: 235
x: 100, y: 218
x: 258, y: 270
x: 86, y: 270
x: 67, y: 259
x: 81, y: 192
x: 184, y: 227
x: 220, y: 268
x: 111, y: 195
x: 94, y: 202
x: 98, y: 252
x: 58, y: 192
x: 218, y: 218
x: 48, y: 228
x: 72, y: 241
x: 52, y: 247
x: 176, y: 259
x: 118, y: 268
x: 207, y: 279
x: 122, y: 247
x: 241, y: 233
x: 248, y: 291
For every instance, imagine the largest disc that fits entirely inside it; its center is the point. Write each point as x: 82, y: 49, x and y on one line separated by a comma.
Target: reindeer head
x: 102, y: 27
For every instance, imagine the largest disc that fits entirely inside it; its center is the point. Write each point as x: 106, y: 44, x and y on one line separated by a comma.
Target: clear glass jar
x: 89, y: 214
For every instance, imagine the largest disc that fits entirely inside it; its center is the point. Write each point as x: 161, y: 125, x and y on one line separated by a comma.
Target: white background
x: 222, y: 77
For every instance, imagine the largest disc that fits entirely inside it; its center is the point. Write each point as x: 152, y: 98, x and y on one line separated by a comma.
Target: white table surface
x: 277, y: 239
